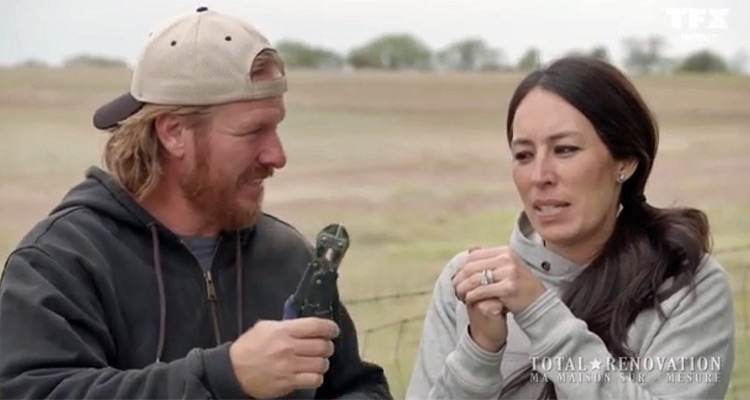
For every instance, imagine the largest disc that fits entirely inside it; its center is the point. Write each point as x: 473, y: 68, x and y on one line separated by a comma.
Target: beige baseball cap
x: 196, y: 59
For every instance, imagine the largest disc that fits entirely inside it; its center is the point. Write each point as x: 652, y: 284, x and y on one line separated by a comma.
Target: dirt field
x: 416, y: 167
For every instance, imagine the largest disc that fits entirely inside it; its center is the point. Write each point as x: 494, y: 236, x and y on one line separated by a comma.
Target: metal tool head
x: 332, y: 244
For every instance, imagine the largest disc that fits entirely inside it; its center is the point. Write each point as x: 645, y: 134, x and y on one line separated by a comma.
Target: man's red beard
x: 216, y: 196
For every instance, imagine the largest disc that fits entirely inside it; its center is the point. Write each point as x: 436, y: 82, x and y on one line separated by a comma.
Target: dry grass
x: 414, y: 164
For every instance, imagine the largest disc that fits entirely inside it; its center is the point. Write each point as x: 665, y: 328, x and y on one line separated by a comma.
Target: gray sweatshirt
x: 688, y: 355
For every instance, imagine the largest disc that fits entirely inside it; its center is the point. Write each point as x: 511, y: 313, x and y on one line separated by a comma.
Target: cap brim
x: 110, y: 114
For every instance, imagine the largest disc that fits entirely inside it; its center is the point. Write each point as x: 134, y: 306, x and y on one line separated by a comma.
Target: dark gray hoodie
x: 99, y: 300
x: 688, y: 355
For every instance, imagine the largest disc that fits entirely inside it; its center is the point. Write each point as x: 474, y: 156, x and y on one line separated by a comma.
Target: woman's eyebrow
x: 551, y: 138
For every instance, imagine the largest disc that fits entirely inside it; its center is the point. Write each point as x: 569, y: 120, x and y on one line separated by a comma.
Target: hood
x: 103, y: 194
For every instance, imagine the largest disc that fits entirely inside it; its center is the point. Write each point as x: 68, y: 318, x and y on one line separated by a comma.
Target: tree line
x: 407, y: 52
x: 398, y: 51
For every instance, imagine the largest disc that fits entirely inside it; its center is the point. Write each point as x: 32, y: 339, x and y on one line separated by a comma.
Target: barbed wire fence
x: 400, y: 369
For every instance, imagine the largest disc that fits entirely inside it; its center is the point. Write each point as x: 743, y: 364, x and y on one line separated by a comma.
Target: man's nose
x: 272, y: 154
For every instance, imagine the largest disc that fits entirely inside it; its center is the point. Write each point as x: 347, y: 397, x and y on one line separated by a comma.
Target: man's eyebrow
x: 248, y: 125
x: 251, y: 123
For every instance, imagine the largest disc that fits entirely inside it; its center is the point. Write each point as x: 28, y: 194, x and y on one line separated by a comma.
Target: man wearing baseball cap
x: 161, y: 277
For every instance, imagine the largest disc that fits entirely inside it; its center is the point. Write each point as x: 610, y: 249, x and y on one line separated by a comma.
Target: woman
x: 599, y: 295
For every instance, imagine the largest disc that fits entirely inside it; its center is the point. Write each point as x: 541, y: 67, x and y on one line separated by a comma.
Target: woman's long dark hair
x: 649, y: 244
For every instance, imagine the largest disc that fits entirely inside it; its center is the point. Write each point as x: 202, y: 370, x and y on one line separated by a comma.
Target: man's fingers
x: 317, y: 365
x: 314, y: 348
x: 304, y: 328
x: 307, y: 380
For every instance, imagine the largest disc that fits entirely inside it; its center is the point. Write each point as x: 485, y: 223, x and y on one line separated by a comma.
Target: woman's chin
x: 555, y: 234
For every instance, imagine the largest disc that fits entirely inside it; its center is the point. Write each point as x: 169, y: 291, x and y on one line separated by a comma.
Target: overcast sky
x: 52, y: 30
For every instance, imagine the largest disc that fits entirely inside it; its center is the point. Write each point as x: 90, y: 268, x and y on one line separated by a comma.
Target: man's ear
x: 171, y: 133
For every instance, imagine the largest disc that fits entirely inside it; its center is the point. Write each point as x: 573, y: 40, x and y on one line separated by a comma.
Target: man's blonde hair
x: 133, y: 152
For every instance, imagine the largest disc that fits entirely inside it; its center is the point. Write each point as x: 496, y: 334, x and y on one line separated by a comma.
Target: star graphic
x: 596, y: 364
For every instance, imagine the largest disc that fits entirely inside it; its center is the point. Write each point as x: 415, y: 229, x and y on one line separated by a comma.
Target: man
x: 163, y: 278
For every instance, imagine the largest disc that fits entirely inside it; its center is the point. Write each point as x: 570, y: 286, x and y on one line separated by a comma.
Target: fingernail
x: 496, y: 312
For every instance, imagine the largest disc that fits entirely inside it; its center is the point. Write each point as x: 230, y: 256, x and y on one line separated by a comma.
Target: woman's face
x: 565, y: 175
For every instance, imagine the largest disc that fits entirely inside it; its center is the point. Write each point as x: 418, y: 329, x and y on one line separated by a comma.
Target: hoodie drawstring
x: 238, y: 267
x: 163, y: 297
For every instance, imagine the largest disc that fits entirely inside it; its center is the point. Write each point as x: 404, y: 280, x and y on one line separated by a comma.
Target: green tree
x: 703, y: 61
x: 33, y: 63
x: 297, y: 54
x: 87, y: 60
x: 530, y: 60
x: 471, y: 54
x: 598, y: 52
x: 392, y: 51
x: 601, y: 53
x: 644, y: 56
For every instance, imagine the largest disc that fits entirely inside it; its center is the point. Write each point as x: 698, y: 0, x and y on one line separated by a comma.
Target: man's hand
x: 274, y: 358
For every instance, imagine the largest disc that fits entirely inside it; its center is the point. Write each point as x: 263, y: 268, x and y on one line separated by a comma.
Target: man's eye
x: 254, y: 132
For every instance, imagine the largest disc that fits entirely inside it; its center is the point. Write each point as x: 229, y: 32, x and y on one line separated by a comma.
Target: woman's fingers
x: 496, y: 290
x: 477, y: 266
x: 492, y: 308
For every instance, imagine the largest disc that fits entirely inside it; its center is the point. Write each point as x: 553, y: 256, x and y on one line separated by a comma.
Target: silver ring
x: 487, y: 277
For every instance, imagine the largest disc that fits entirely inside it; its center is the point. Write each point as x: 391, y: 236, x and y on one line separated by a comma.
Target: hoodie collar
x: 525, y: 241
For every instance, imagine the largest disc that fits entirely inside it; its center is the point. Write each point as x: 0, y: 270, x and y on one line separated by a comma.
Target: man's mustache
x: 262, y: 173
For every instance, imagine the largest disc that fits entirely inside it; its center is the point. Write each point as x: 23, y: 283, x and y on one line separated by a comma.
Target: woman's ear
x: 171, y: 133
x: 626, y: 168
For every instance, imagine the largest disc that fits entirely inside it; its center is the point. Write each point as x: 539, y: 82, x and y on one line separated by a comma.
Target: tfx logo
x: 699, y: 24
x: 709, y: 19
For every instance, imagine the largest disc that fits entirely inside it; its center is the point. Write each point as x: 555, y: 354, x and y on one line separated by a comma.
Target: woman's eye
x: 566, y: 149
x: 522, y: 156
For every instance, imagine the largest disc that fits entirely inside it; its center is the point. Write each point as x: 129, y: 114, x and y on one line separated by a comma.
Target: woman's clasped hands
x: 492, y: 282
